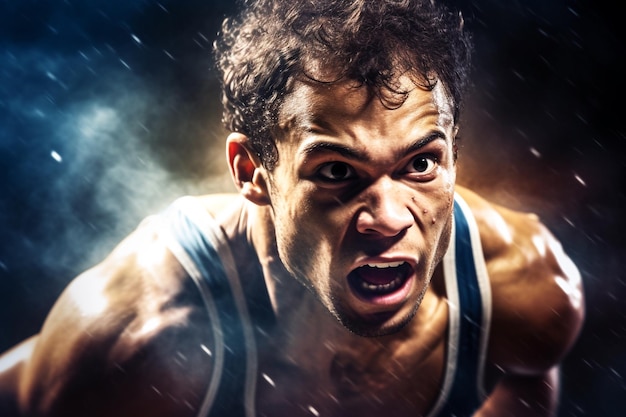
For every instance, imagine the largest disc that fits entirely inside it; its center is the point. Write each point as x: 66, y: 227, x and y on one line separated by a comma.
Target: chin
x: 377, y: 325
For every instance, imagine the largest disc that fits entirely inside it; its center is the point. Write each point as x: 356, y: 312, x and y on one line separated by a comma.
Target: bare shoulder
x: 216, y: 204
x: 537, y: 295
x: 127, y: 337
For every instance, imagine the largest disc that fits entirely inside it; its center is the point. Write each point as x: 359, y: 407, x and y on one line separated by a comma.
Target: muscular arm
x: 537, y: 310
x: 528, y: 396
x: 123, y: 339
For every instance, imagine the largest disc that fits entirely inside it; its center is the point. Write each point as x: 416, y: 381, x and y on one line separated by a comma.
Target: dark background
x: 109, y: 110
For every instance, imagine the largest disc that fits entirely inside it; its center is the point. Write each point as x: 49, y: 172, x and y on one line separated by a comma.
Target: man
x: 349, y: 276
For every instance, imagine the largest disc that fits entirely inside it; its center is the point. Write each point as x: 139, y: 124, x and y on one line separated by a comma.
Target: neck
x: 290, y: 299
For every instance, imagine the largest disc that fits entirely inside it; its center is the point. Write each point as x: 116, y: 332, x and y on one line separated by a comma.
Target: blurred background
x: 110, y: 109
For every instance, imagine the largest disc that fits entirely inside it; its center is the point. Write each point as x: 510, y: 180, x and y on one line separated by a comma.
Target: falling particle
x: 261, y: 331
x: 580, y: 180
x: 582, y: 119
x: 599, y: 144
x: 330, y: 346
x: 568, y: 221
x: 615, y: 372
x: 56, y: 156
x: 163, y: 8
x: 535, y: 152
x: 206, y: 350
x: 313, y: 411
x: 203, y: 37
x: 378, y: 400
x: 452, y: 305
x: 155, y: 389
x: 518, y: 75
x: 136, y: 38
x: 269, y: 380
x: 169, y: 55
x: 124, y: 63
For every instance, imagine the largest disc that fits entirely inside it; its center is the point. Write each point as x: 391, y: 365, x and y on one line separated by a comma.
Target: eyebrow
x: 342, y: 150
x: 420, y: 143
x: 360, y: 156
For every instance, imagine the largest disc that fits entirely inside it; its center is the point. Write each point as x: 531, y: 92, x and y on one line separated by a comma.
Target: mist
x: 108, y: 112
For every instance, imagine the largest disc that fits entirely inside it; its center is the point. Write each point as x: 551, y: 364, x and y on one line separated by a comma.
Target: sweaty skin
x: 366, y: 185
x: 357, y: 183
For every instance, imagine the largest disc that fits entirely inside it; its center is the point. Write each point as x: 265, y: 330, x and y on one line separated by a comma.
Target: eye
x: 336, y: 171
x: 422, y: 165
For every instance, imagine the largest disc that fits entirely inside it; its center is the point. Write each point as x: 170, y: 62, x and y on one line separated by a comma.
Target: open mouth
x: 376, y: 281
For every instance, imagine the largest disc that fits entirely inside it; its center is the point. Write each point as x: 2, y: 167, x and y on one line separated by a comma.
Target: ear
x: 246, y: 169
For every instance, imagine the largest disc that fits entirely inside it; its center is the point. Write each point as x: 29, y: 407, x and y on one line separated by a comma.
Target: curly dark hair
x: 268, y: 45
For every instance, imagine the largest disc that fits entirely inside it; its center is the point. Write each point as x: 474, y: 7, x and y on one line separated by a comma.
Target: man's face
x: 362, y: 198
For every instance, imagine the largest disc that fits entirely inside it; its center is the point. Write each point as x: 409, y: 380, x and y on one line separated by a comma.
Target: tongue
x: 377, y: 276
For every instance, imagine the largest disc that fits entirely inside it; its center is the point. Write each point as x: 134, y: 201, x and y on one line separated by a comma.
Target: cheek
x: 446, y: 210
x: 447, y: 177
x: 301, y: 236
x: 436, y: 222
x: 444, y: 241
x: 436, y: 199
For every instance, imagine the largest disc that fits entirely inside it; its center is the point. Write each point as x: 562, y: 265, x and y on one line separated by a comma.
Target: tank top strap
x: 200, y: 246
x: 469, y: 304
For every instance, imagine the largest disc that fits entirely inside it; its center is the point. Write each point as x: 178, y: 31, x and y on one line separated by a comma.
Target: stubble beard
x: 386, y: 326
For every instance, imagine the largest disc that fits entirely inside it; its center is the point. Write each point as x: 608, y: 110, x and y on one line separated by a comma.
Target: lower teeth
x: 390, y: 286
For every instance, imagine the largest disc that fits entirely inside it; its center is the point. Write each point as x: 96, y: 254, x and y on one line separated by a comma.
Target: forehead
x: 312, y: 104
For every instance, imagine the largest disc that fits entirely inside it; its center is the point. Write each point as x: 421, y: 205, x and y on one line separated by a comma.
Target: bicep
x: 524, y: 396
x: 34, y: 371
x: 538, y: 307
x: 118, y: 353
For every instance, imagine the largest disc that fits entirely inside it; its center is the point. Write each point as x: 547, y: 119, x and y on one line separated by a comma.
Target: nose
x: 386, y: 213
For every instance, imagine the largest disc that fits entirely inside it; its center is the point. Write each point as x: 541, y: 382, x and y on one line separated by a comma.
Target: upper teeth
x: 386, y: 264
